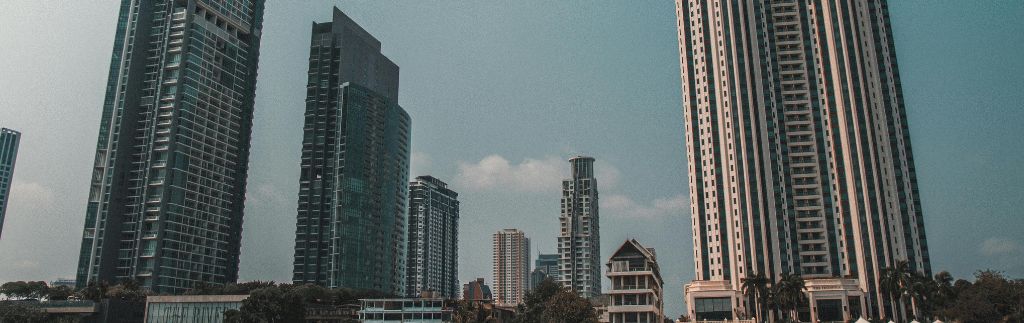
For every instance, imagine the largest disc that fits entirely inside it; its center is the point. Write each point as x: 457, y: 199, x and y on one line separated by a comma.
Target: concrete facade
x: 579, y: 240
x: 511, y: 267
x: 799, y: 151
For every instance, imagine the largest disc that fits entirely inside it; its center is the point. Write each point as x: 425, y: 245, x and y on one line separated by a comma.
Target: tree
x: 756, y: 287
x: 568, y: 307
x: 889, y: 283
x: 127, y: 290
x: 20, y: 312
x: 94, y: 291
x: 788, y: 294
x: 60, y: 293
x: 273, y: 305
x: 535, y: 301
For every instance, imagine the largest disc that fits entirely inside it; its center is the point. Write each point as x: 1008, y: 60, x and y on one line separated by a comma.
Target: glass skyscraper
x: 433, y: 239
x: 579, y: 242
x: 799, y: 154
x: 9, y: 140
x: 166, y: 196
x: 354, y: 174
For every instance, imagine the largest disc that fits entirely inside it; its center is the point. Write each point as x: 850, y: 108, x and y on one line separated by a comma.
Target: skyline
x: 477, y: 171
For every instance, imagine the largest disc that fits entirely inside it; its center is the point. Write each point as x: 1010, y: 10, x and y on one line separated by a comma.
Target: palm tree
x: 757, y: 287
x: 789, y: 293
x: 898, y: 282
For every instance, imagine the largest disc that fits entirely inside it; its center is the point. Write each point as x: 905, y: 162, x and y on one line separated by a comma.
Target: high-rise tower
x: 9, y: 140
x: 168, y: 186
x: 354, y: 175
x: 799, y: 153
x: 433, y: 252
x: 579, y: 242
x: 511, y: 267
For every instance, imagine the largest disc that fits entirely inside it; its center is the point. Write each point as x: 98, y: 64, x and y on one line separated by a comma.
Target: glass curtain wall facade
x: 799, y: 150
x: 579, y: 242
x: 433, y: 251
x: 9, y: 141
x: 166, y: 196
x: 354, y: 174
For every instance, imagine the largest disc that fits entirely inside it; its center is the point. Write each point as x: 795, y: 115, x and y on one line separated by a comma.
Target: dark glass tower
x: 433, y: 260
x: 9, y: 140
x: 354, y: 174
x: 168, y: 185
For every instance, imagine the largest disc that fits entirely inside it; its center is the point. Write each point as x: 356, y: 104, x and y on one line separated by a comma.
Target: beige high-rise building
x: 799, y: 154
x: 511, y: 267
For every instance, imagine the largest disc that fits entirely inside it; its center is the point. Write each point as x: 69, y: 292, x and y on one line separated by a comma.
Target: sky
x: 501, y: 94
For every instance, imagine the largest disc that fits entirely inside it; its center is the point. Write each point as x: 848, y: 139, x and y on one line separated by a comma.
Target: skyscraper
x: 545, y: 267
x: 168, y: 186
x: 433, y: 251
x: 511, y: 266
x: 799, y: 153
x: 353, y: 180
x: 579, y: 242
x: 9, y: 140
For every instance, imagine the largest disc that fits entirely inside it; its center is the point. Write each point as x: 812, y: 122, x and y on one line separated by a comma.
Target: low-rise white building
x: 636, y: 293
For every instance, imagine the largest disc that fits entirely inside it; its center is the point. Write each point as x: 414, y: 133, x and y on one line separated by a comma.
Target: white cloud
x: 530, y: 175
x: 617, y: 205
x: 1000, y: 246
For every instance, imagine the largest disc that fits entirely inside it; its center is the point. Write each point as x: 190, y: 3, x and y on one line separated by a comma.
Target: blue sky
x: 501, y: 94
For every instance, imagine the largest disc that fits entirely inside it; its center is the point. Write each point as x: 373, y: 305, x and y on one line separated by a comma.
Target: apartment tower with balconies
x: 579, y: 239
x: 166, y: 195
x: 799, y: 154
x: 511, y: 267
x: 433, y: 239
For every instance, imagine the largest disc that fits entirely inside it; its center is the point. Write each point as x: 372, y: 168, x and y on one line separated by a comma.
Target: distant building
x: 579, y: 242
x: 9, y: 140
x: 546, y: 266
x: 191, y: 308
x: 316, y: 313
x: 84, y: 311
x: 433, y: 239
x: 354, y: 170
x: 636, y: 293
x: 63, y: 282
x: 511, y: 267
x: 477, y: 291
x: 168, y: 181
x: 400, y: 310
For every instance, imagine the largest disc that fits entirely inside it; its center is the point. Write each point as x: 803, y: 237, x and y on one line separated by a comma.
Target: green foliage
x: 756, y: 288
x: 11, y: 311
x: 991, y: 298
x: 551, y: 303
x: 788, y: 293
x: 568, y: 307
x: 24, y: 290
x: 60, y: 293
